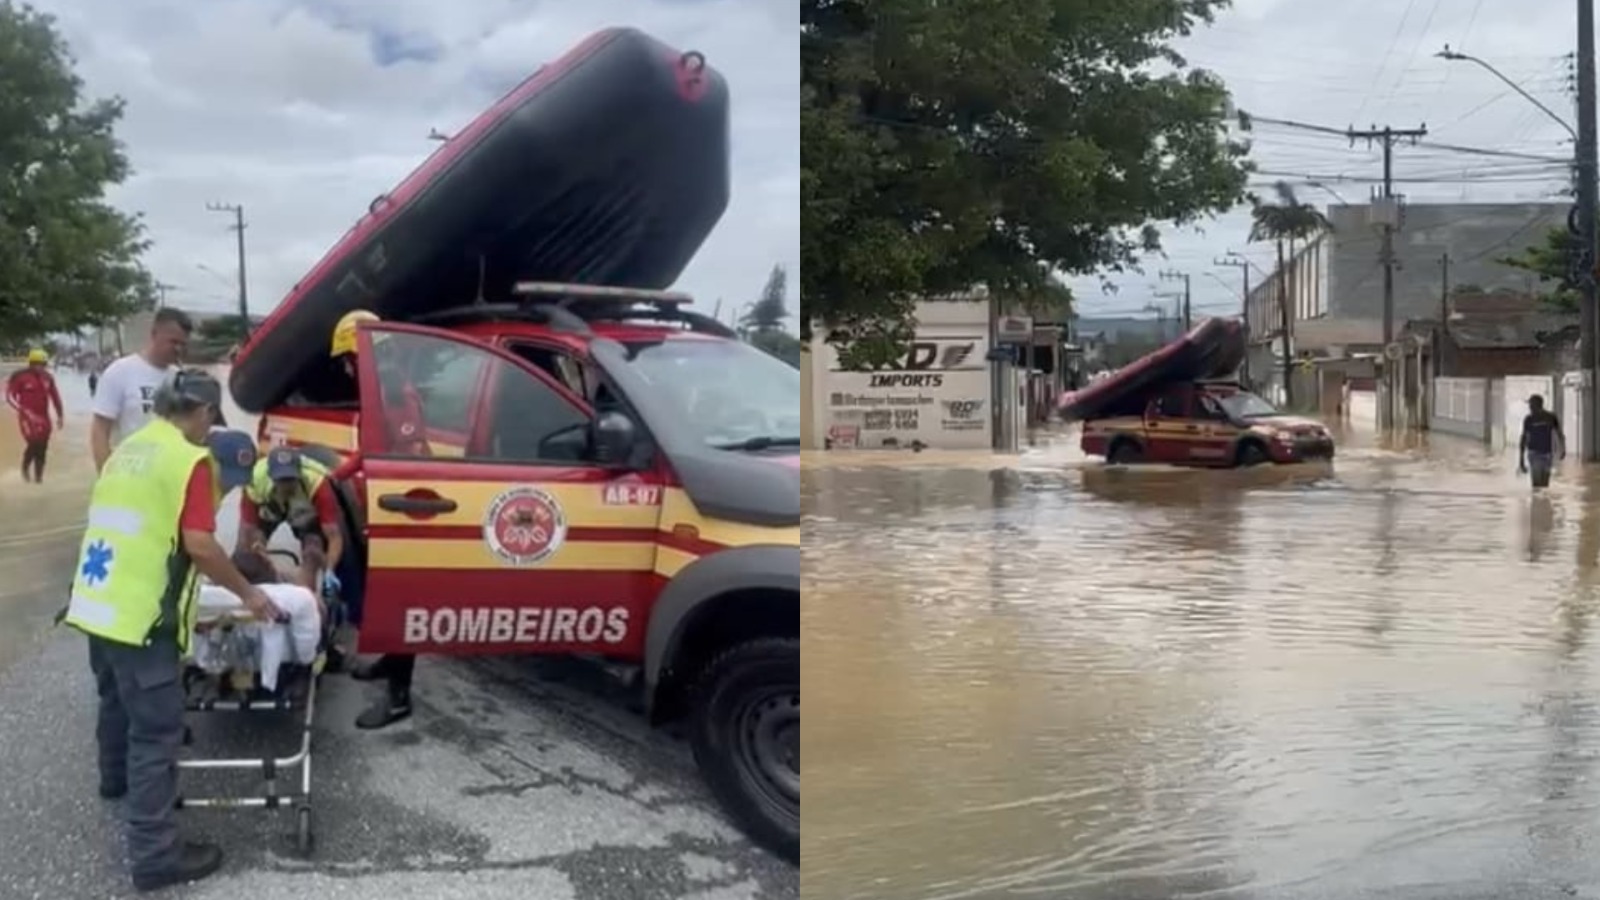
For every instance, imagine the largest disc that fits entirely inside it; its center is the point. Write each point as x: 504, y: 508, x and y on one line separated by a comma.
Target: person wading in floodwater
x: 1542, y: 442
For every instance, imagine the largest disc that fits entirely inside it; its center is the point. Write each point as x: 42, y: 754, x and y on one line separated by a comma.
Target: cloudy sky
x: 1365, y: 63
x: 303, y: 111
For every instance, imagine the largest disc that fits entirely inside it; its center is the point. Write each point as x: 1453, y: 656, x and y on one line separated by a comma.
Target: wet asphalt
x: 521, y: 779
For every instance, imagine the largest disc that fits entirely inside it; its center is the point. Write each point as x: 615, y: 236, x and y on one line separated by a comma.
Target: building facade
x: 1335, y: 281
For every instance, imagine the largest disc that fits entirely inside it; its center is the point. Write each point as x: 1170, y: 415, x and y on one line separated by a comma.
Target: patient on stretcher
x: 231, y: 645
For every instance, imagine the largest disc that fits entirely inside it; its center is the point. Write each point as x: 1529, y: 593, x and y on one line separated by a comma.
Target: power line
x: 1454, y: 148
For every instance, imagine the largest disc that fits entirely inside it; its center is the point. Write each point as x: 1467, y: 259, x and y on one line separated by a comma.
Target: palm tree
x: 1284, y: 222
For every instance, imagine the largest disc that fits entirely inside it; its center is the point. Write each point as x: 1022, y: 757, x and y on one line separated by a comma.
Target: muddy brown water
x: 1036, y: 676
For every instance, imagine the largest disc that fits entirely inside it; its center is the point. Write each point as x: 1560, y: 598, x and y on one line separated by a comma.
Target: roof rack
x: 571, y: 307
x: 568, y: 292
x: 605, y: 303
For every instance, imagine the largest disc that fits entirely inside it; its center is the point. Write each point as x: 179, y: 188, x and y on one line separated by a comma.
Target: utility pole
x: 1243, y: 265
x: 238, y: 227
x: 161, y: 293
x: 1444, y: 315
x: 1170, y: 275
x: 1391, y: 221
x: 1584, y: 161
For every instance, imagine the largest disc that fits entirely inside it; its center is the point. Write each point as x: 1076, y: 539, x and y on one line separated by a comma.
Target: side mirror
x: 614, y: 438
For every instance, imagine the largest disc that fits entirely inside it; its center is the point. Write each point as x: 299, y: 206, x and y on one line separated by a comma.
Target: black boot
x: 391, y: 708
x: 195, y: 861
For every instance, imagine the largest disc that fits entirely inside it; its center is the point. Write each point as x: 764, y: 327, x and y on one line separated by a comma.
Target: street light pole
x: 1449, y: 54
x: 1582, y: 267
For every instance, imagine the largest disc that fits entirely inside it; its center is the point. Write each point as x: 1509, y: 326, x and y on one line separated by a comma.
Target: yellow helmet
x: 344, y: 333
x: 37, y: 355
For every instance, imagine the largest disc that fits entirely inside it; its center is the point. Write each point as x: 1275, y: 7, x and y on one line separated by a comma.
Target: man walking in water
x: 32, y: 393
x: 1542, y: 442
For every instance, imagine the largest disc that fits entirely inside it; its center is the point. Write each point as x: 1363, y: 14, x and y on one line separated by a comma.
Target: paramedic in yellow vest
x: 151, y: 528
x: 289, y: 488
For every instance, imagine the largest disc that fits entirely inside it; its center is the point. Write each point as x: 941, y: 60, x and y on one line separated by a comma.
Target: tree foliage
x: 1285, y: 222
x: 67, y: 258
x: 770, y: 311
x: 762, y: 323
x: 1287, y: 219
x: 995, y: 142
x: 229, y: 329
x: 1550, y: 261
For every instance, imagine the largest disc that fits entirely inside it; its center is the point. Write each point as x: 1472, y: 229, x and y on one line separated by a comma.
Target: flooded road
x: 1044, y: 678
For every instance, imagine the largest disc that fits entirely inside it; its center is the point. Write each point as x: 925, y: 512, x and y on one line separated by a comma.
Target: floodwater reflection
x: 1039, y: 676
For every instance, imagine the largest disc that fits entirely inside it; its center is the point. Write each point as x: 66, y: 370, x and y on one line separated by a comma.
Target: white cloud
x: 1373, y: 63
x: 282, y: 106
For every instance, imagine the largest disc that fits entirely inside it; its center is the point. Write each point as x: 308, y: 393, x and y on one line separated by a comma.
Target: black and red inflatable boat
x: 1212, y: 349
x: 607, y: 166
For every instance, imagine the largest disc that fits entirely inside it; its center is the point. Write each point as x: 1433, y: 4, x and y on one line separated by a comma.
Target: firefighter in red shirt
x: 32, y: 392
x: 407, y: 435
x: 402, y: 405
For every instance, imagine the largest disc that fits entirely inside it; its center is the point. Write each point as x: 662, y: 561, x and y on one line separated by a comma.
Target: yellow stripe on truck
x: 444, y: 553
x: 670, y: 560
x: 677, y: 511
x: 283, y: 429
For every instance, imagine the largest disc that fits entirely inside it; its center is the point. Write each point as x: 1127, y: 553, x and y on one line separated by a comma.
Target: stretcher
x: 241, y: 690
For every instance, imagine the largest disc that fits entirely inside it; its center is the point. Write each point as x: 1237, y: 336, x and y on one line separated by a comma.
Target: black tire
x: 746, y: 739
x: 1251, y: 453
x: 304, y: 838
x: 1124, y: 452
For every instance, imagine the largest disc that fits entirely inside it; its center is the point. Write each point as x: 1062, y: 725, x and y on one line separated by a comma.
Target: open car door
x: 517, y: 540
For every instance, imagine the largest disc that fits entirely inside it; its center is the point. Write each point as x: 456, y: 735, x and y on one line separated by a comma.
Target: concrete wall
x: 1491, y: 409
x: 1461, y: 406
x: 1473, y: 234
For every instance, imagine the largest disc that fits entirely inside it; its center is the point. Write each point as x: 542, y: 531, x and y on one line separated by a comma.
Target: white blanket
x: 263, y: 646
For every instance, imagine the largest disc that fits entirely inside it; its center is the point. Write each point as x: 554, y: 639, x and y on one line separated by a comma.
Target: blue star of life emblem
x: 96, y: 566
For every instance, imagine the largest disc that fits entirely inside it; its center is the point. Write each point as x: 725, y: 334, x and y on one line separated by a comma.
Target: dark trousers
x: 397, y: 669
x: 33, y: 457
x: 1539, y: 466
x: 139, y: 733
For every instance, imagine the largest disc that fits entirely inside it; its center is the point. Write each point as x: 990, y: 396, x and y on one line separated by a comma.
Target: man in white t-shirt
x: 126, y: 392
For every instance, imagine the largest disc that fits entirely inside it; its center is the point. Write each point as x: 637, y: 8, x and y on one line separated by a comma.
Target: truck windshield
x: 1245, y: 405
x: 733, y: 395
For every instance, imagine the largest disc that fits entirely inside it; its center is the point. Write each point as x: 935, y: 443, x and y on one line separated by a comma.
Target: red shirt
x: 199, y: 500
x: 32, y: 392
x: 408, y: 434
x: 322, y: 500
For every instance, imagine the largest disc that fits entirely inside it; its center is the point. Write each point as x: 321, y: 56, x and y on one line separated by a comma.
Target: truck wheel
x: 746, y: 739
x: 1124, y: 452
x: 1251, y: 453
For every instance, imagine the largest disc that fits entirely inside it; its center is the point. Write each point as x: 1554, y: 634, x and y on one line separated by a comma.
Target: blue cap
x: 235, y: 456
x: 283, y: 463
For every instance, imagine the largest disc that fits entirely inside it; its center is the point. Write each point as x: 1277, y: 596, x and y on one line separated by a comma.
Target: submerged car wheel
x: 1124, y: 452
x: 746, y: 739
x: 1251, y: 453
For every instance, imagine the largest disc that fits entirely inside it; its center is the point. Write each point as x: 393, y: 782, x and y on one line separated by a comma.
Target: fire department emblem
x: 524, y: 526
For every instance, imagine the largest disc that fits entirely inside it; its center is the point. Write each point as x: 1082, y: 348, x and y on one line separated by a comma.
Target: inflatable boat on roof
x: 607, y: 166
x: 1213, y: 349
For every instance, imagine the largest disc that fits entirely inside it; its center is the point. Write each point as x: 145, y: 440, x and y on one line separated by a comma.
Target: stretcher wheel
x: 304, y: 837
